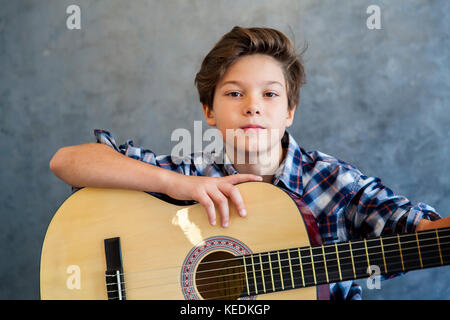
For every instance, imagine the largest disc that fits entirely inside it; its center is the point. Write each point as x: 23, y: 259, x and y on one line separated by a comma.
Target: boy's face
x: 252, y: 92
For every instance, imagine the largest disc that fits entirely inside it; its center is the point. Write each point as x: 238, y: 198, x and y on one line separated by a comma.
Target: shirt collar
x: 290, y: 170
x: 288, y: 173
x: 224, y: 162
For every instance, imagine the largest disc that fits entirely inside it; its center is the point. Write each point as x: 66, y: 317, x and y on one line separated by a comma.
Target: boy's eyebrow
x: 239, y: 83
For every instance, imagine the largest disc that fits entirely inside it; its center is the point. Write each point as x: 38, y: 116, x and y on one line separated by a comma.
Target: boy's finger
x: 233, y: 193
x: 207, y: 203
x: 238, y: 178
x: 222, y: 202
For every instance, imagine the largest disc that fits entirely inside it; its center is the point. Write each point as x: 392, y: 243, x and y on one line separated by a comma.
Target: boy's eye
x: 271, y: 94
x: 235, y: 94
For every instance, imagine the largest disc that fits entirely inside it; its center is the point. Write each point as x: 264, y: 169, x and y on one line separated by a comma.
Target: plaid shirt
x: 346, y: 204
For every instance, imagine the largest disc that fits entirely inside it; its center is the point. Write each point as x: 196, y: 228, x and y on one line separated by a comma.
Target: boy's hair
x: 246, y: 41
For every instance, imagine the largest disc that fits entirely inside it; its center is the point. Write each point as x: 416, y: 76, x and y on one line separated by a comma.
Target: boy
x: 249, y: 83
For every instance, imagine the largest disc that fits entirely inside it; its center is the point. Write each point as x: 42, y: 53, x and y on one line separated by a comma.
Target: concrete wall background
x: 378, y: 99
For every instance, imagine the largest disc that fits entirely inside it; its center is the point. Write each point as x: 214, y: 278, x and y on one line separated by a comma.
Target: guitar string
x: 356, y: 265
x: 318, y: 255
x: 286, y: 272
x: 326, y: 246
x: 284, y: 251
x: 294, y: 265
x: 289, y: 279
x: 321, y: 255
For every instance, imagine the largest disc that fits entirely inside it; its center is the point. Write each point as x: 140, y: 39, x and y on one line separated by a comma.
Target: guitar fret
x: 418, y: 248
x: 295, y: 261
x: 439, y: 247
x: 346, y: 260
x: 331, y: 263
x: 286, y: 270
x: 325, y: 263
x: 290, y: 269
x: 308, y: 272
x: 246, y: 279
x: 445, y: 244
x: 312, y: 264
x: 281, y: 271
x: 254, y: 275
x: 262, y: 273
x: 353, y: 261
x: 367, y: 253
x: 410, y: 251
x: 319, y: 265
x: 338, y: 262
x: 271, y: 272
x: 265, y: 272
x: 301, y: 266
x: 392, y: 254
x: 277, y: 276
x: 375, y: 255
x: 429, y: 249
x: 360, y: 258
x: 382, y: 252
x: 400, y: 250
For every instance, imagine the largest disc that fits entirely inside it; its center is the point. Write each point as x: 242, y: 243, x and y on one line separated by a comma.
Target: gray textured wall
x: 378, y: 99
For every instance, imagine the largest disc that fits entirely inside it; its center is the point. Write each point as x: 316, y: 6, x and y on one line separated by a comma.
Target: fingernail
x: 243, y: 213
x: 213, y: 222
x: 225, y: 224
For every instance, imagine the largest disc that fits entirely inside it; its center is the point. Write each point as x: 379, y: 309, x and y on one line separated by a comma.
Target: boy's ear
x: 290, y: 116
x: 209, y: 115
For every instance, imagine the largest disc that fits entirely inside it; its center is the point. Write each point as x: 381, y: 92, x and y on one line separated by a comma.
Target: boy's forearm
x: 97, y: 165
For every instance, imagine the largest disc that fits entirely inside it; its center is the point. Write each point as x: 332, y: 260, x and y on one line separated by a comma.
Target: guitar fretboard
x: 293, y: 268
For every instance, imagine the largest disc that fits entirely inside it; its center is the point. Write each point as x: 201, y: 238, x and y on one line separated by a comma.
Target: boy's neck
x: 266, y: 170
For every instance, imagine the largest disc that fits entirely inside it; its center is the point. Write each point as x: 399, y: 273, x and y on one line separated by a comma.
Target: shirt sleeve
x: 180, y: 165
x: 345, y: 290
x: 176, y: 164
x: 376, y: 210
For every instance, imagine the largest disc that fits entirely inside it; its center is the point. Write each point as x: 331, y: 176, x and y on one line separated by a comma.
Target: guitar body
x: 161, y: 244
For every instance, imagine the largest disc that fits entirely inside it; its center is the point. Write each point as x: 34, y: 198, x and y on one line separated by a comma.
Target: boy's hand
x: 211, y: 190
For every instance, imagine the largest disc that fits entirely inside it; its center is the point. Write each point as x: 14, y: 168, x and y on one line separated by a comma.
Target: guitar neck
x: 293, y: 268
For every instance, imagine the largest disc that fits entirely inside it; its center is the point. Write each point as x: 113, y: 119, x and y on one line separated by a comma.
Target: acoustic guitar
x: 123, y: 244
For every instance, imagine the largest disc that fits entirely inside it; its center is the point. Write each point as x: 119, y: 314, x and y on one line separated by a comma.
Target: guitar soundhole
x: 220, y: 276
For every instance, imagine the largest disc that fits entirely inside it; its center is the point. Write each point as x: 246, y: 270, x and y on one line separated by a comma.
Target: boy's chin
x: 248, y: 147
x: 252, y: 151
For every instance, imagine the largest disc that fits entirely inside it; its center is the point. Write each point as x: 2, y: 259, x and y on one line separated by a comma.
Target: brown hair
x: 246, y: 41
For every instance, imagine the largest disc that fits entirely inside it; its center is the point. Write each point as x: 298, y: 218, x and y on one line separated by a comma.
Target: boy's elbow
x: 64, y: 159
x: 56, y: 162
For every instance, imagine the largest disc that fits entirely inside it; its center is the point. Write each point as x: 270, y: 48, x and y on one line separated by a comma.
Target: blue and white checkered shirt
x: 346, y: 204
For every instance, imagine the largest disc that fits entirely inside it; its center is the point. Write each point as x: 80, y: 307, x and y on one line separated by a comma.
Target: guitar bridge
x: 115, y: 284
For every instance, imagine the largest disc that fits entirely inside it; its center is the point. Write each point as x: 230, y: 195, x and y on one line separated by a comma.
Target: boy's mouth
x: 252, y: 128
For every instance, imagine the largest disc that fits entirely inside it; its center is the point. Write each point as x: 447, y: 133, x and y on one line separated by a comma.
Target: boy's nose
x: 252, y: 110
x: 252, y: 105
